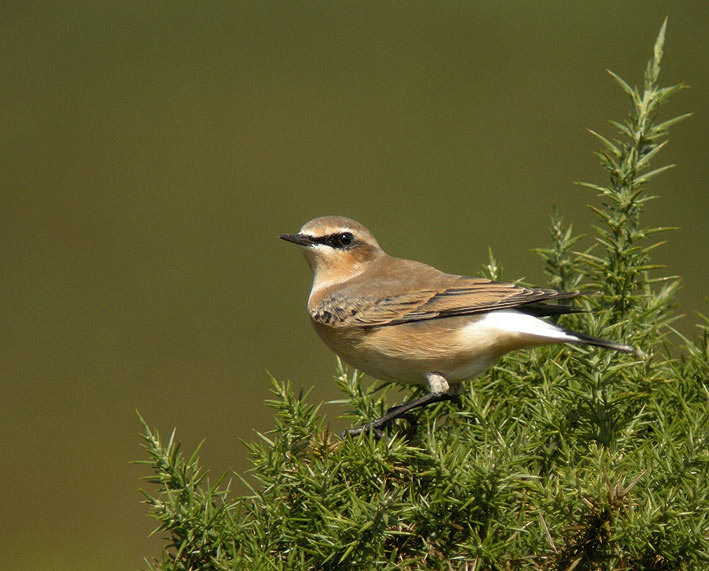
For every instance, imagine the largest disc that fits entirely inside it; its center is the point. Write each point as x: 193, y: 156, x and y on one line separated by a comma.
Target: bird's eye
x: 346, y: 239
x: 342, y: 240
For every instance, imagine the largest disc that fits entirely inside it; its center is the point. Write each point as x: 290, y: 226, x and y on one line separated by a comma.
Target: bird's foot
x: 377, y: 427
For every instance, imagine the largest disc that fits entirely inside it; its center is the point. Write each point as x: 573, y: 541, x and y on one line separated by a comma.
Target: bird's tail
x: 598, y: 342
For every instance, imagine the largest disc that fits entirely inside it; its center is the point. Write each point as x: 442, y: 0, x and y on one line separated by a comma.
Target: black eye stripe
x: 339, y: 240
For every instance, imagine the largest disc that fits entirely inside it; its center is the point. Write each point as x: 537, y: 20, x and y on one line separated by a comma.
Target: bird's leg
x: 439, y: 391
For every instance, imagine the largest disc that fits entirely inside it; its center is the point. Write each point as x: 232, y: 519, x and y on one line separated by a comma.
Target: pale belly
x: 453, y: 347
x: 458, y: 348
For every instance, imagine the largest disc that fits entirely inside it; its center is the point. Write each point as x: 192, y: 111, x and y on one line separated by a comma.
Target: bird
x: 404, y: 321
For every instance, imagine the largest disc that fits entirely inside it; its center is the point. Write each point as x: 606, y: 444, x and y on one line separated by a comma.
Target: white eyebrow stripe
x: 327, y: 233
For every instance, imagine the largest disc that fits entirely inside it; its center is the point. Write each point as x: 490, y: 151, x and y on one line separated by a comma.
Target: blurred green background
x: 152, y: 151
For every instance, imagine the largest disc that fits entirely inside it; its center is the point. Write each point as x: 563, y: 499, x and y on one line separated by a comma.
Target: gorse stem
x: 622, y: 271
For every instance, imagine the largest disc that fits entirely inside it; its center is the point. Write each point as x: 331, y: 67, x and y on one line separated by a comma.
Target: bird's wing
x: 456, y: 296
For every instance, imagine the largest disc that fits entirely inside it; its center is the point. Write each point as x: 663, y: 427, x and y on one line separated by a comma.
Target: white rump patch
x: 516, y: 322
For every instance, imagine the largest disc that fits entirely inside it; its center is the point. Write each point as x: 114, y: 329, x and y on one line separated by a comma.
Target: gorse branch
x: 560, y: 458
x: 621, y: 271
x: 195, y: 514
x: 560, y: 264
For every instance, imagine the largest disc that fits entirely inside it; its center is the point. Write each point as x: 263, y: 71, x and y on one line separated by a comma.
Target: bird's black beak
x: 300, y: 239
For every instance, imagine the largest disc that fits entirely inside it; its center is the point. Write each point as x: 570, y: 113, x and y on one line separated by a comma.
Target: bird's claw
x: 377, y: 428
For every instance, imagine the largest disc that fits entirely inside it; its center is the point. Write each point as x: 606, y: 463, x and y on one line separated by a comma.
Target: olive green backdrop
x: 152, y: 151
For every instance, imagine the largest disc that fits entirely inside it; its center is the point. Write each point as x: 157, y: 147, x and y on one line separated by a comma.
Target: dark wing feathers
x: 546, y: 309
x: 457, y: 296
x: 479, y: 297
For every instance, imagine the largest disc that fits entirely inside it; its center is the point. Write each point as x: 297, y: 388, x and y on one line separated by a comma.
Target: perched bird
x: 407, y: 322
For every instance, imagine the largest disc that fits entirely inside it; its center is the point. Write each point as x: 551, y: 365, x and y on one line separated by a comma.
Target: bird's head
x: 336, y: 248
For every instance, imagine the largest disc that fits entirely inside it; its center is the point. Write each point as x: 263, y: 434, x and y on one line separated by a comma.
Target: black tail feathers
x: 598, y: 342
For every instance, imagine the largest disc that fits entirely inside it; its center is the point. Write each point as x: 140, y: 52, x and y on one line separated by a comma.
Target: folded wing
x: 456, y: 296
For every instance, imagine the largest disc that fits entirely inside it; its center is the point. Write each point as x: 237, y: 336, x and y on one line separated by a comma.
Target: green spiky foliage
x: 559, y: 458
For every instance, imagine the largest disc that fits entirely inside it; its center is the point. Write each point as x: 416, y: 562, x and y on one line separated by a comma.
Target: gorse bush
x: 564, y: 457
